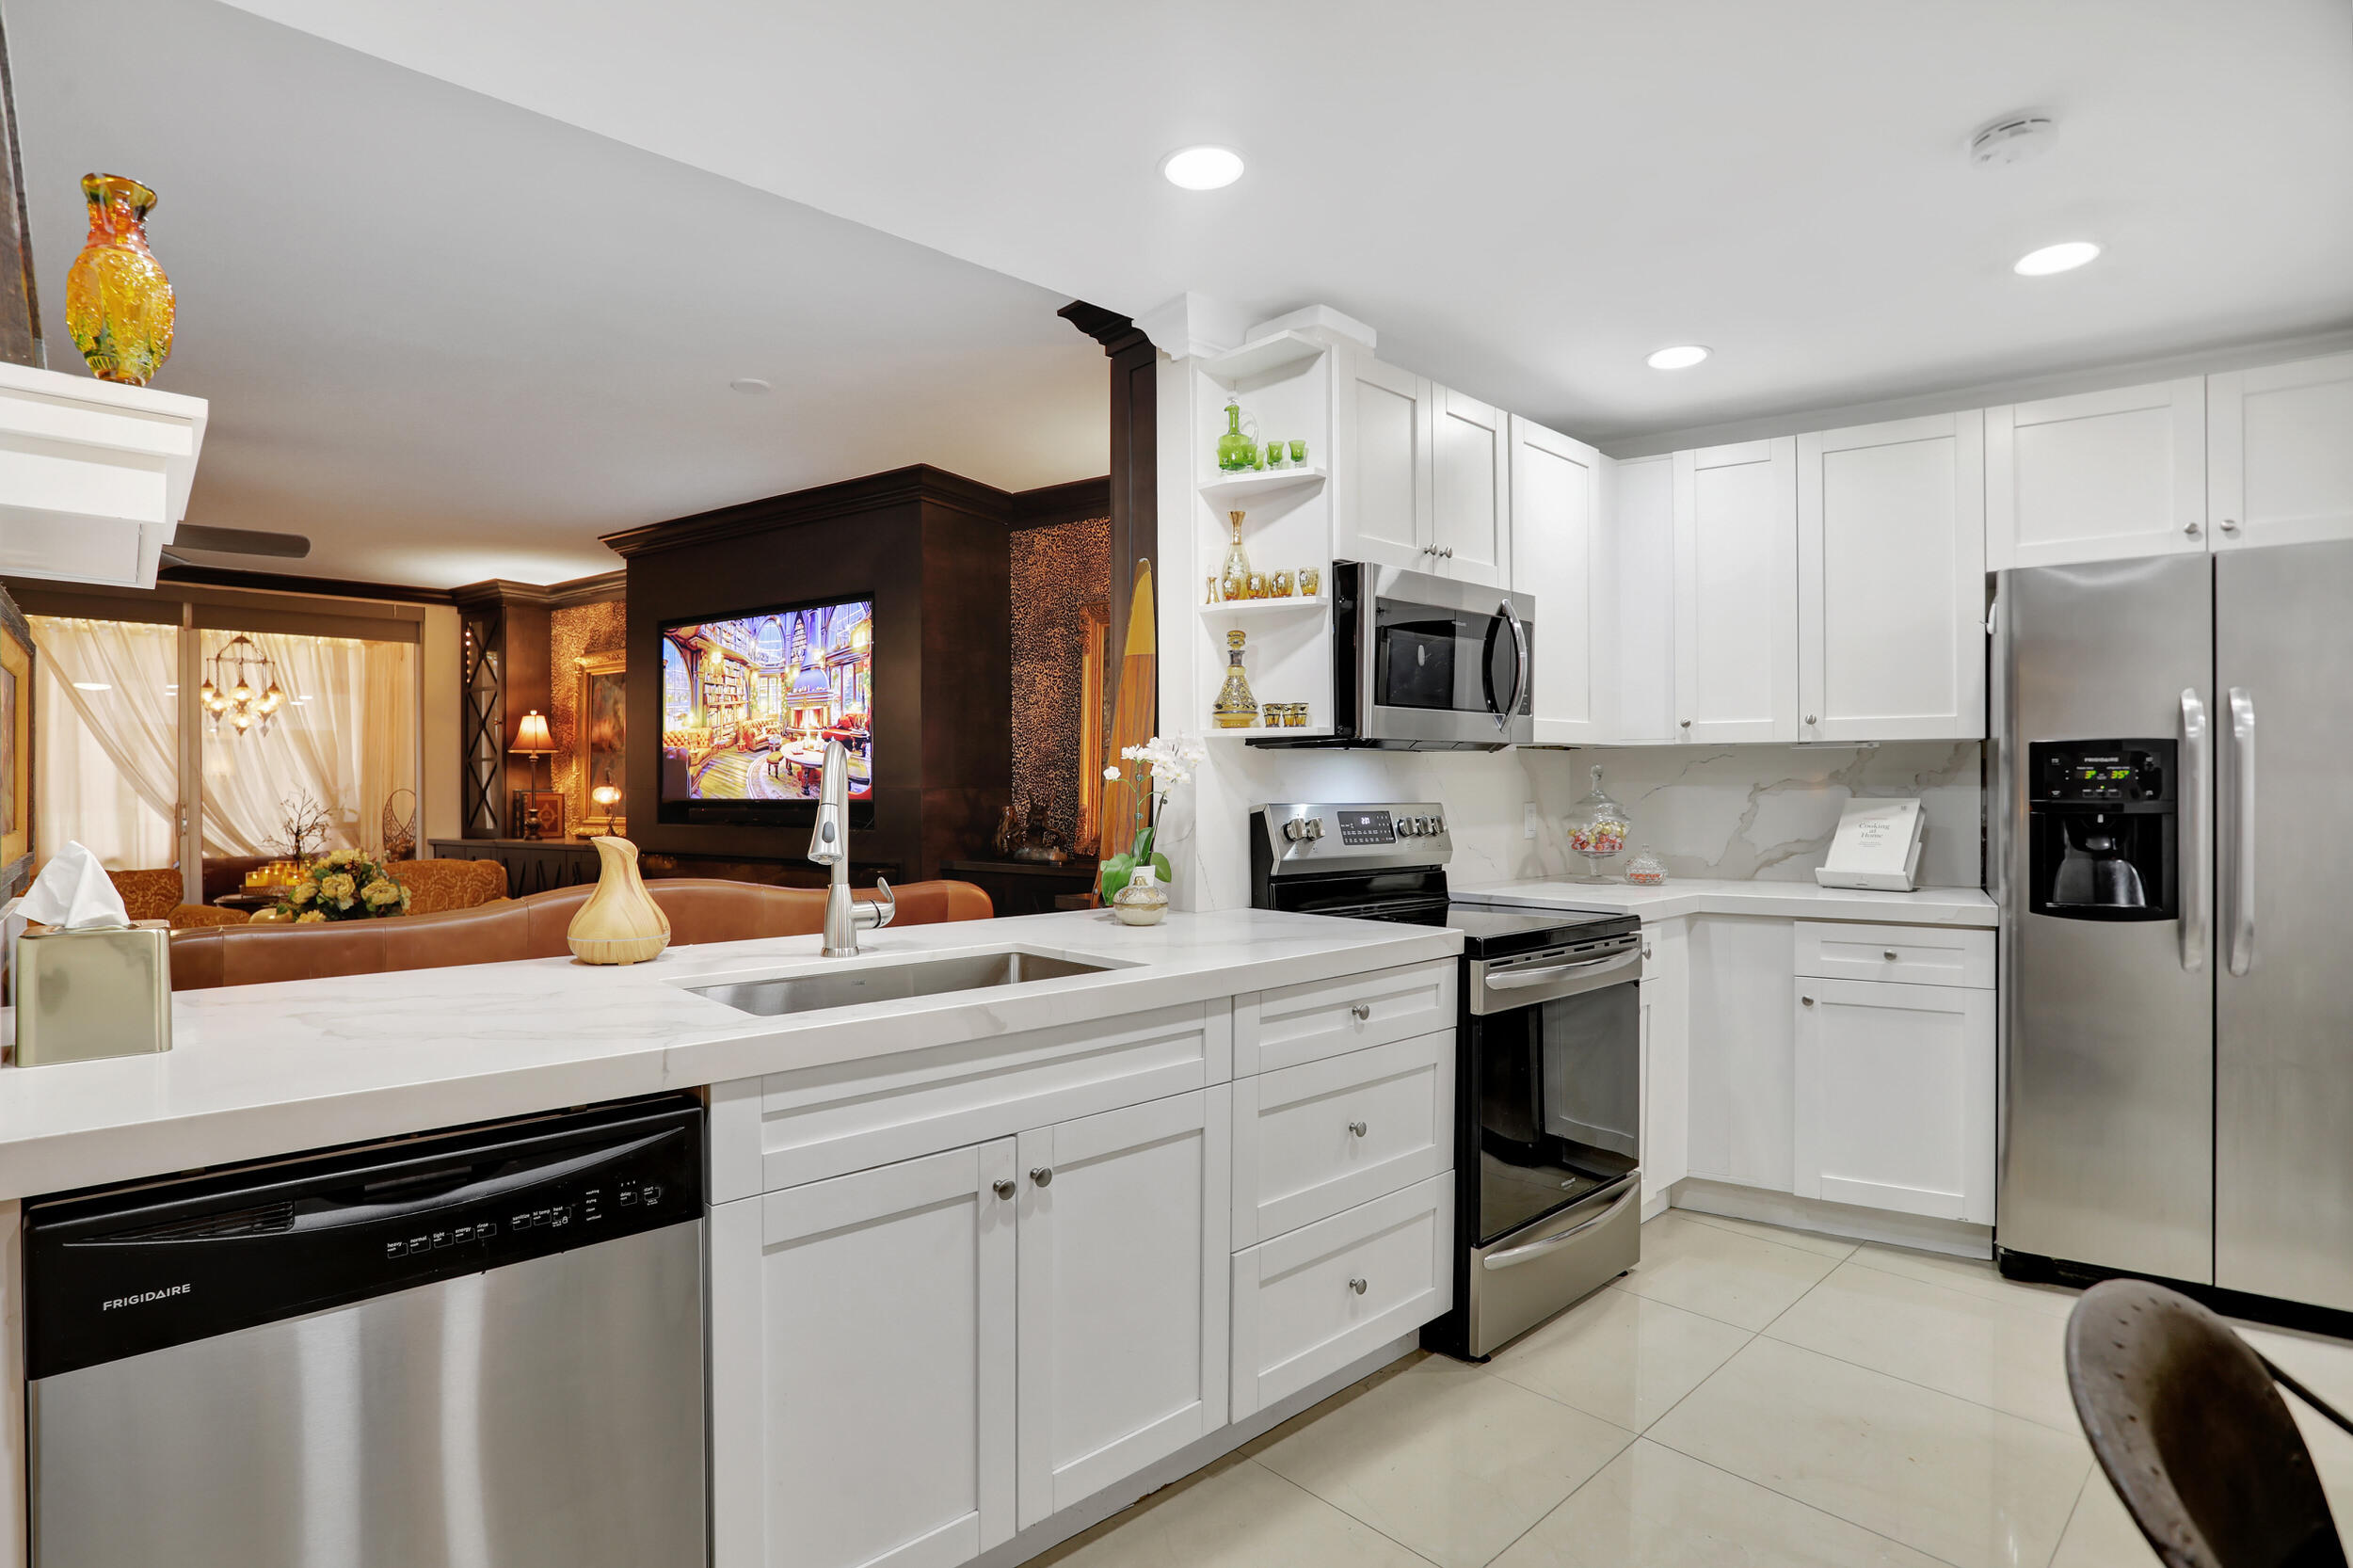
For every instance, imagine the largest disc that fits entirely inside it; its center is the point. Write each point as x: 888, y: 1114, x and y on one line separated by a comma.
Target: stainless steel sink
x: 922, y: 977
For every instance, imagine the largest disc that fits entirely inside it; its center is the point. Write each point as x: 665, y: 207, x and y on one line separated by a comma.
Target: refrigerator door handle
x: 2242, y: 830
x: 2197, y: 859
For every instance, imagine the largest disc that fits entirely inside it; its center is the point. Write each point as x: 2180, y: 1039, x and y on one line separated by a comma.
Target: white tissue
x: 73, y: 891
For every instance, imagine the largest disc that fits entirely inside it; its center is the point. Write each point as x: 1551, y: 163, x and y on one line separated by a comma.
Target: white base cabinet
x: 1894, y: 1096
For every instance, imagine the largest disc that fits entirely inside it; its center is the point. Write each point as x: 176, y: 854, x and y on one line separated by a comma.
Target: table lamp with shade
x: 538, y: 813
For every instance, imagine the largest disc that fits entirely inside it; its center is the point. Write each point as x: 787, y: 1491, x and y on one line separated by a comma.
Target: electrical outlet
x: 1529, y: 819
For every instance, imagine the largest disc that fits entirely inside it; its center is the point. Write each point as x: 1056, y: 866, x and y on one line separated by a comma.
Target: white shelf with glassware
x: 1253, y: 609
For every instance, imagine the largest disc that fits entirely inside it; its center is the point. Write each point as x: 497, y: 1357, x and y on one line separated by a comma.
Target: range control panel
x: 1359, y: 835
x: 2103, y: 773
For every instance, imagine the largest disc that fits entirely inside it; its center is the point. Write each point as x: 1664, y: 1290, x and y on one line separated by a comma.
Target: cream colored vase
x: 620, y: 924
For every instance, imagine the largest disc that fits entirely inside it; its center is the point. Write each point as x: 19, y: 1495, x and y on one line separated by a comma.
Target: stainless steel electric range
x: 1547, y: 1163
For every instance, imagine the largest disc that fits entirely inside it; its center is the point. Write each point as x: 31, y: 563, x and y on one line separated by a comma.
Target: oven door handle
x: 1535, y: 1250
x: 1520, y: 980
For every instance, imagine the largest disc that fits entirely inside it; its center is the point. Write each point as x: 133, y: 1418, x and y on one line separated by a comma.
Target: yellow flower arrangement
x: 342, y: 884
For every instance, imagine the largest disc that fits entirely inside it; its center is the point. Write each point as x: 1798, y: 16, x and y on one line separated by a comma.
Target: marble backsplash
x: 1743, y: 813
x: 1766, y: 814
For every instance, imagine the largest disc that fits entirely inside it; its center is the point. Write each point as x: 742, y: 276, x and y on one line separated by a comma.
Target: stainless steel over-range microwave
x: 1427, y: 663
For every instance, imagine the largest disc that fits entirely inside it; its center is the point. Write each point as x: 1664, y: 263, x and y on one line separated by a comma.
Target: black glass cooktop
x: 1491, y: 931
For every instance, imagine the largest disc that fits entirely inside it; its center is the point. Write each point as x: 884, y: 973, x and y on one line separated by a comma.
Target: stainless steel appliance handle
x: 1519, y: 668
x: 2197, y: 821
x: 1520, y: 980
x: 2242, y: 831
x: 1534, y: 1250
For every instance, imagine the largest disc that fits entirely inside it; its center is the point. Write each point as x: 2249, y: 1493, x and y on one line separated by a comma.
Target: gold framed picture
x: 598, y: 736
x: 16, y: 745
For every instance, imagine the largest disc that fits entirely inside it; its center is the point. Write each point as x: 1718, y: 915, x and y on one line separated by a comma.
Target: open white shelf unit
x: 1285, y: 386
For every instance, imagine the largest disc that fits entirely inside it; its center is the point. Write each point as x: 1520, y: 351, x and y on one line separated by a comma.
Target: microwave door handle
x: 2242, y: 830
x: 2196, y: 859
x: 1519, y: 664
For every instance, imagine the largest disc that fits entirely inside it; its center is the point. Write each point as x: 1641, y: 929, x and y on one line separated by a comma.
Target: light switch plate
x: 1529, y: 819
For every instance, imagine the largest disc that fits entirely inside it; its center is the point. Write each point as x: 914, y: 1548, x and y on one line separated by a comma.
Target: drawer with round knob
x: 1909, y: 954
x: 1312, y: 1140
x: 1307, y: 1304
x: 1293, y: 1024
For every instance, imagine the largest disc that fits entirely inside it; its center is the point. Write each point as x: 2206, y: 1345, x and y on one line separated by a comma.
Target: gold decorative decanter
x: 1236, y: 707
x: 1233, y: 578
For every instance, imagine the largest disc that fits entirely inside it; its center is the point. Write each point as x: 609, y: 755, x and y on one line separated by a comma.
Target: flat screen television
x: 749, y: 702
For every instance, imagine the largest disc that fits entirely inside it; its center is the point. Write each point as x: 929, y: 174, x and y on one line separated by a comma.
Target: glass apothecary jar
x: 1646, y: 870
x: 1597, y: 828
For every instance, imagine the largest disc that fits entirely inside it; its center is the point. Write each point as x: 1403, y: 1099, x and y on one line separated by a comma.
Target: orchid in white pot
x: 1171, y: 762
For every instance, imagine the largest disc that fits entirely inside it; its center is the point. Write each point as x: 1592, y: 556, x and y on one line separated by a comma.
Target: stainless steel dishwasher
x: 475, y: 1350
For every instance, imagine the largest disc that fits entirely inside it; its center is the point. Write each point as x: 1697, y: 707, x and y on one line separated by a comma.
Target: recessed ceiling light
x: 1202, y: 168
x: 1681, y: 357
x: 2064, y: 256
x: 91, y: 686
x: 752, y: 384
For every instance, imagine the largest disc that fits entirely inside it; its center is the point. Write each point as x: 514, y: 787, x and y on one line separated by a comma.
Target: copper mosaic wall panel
x: 1059, y: 572
x: 573, y: 633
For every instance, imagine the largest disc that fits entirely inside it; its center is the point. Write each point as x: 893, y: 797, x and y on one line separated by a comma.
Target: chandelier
x: 242, y: 686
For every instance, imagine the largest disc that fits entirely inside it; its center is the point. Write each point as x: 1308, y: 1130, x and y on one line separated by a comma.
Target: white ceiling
x: 451, y: 339
x: 1524, y: 197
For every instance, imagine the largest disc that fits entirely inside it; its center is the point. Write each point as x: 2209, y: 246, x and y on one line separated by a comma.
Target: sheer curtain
x: 346, y: 738
x: 106, y: 746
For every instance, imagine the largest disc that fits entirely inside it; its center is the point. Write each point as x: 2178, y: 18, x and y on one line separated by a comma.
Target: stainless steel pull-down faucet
x: 830, y: 845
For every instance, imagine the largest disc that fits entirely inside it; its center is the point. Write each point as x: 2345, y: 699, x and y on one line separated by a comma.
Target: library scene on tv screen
x: 749, y: 704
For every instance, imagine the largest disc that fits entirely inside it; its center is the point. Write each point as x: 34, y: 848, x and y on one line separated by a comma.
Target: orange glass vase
x: 118, y: 302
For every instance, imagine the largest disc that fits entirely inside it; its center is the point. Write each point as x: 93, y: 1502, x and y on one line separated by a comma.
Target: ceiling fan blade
x: 241, y: 541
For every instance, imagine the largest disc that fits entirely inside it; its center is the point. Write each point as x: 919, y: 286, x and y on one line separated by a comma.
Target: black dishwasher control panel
x: 138, y: 1269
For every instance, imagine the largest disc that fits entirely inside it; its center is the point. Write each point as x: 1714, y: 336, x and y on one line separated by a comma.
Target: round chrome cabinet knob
x: 1003, y: 1189
x: 1360, y: 1011
x: 1358, y: 1128
x: 1042, y: 1175
x: 1357, y: 1285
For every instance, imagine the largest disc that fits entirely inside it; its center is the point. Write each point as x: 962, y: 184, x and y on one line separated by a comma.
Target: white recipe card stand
x: 1878, y: 846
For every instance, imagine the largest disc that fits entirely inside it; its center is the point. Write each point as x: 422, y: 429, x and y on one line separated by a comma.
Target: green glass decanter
x: 1235, y: 452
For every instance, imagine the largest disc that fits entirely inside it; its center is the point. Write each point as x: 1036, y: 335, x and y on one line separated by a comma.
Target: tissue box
x: 81, y: 995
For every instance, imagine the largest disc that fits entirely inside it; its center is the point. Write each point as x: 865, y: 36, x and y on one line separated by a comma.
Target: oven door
x: 1555, y: 1042
x: 1443, y: 663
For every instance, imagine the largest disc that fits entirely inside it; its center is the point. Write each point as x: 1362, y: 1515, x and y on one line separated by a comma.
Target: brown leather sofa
x: 533, y: 927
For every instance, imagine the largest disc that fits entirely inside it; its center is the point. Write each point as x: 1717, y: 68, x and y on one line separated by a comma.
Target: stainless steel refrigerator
x: 2171, y: 840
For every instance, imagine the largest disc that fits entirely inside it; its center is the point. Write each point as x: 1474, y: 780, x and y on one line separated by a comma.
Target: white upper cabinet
x: 1556, y: 556
x: 2100, y: 476
x: 1639, y: 537
x: 1736, y: 538
x: 2279, y: 453
x: 1891, y: 581
x: 1470, y: 526
x: 1380, y: 463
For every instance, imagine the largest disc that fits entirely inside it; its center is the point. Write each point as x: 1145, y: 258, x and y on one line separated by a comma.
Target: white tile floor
x: 1749, y: 1395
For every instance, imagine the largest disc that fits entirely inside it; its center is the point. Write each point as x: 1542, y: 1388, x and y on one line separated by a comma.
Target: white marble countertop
x: 1801, y: 901
x: 260, y: 1070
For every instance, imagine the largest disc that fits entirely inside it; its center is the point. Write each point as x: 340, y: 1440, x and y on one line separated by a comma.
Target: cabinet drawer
x: 1913, y: 954
x: 1304, y: 1023
x: 780, y: 1130
x: 1313, y: 1139
x: 1298, y: 1312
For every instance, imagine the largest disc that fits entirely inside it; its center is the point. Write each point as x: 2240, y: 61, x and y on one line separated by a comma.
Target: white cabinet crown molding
x: 94, y: 476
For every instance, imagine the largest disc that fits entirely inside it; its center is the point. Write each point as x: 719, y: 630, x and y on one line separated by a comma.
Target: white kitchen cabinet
x: 1381, y: 464
x: 2098, y: 476
x: 2279, y: 453
x: 1558, y: 556
x: 1743, y: 1050
x: 1313, y: 1139
x: 1891, y: 581
x: 1735, y: 537
x: 1666, y: 1014
x: 1124, y: 1260
x: 1639, y: 537
x: 863, y: 1376
x: 1470, y: 489
x: 1894, y: 1096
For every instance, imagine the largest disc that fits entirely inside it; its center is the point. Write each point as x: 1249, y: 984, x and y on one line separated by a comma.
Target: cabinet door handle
x: 2230, y: 525
x: 1811, y: 719
x: 1042, y: 1175
x: 1358, y: 1128
x: 1003, y: 1188
x: 1808, y: 1000
x: 1357, y: 1284
x: 1360, y: 1011
x: 1646, y: 949
x: 1889, y: 955
x: 1686, y: 723
x: 2191, y: 529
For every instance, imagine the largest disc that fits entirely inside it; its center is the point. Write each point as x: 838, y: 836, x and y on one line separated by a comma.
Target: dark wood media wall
x: 929, y: 548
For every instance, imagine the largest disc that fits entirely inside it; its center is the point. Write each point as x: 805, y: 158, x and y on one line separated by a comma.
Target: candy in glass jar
x: 1597, y: 828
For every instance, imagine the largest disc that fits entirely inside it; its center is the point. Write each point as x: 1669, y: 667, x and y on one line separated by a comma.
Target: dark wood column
x: 504, y: 667
x: 1136, y: 451
x: 20, y: 310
